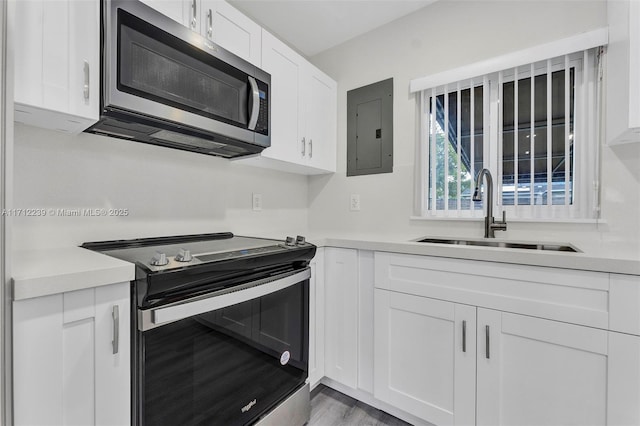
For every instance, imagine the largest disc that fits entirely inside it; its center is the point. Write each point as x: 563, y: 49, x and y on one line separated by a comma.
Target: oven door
x: 157, y: 67
x: 225, y: 358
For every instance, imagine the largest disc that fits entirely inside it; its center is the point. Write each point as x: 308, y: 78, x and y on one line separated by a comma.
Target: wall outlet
x: 257, y: 202
x: 354, y: 203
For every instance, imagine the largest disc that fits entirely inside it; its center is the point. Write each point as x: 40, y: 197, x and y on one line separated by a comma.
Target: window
x: 533, y: 126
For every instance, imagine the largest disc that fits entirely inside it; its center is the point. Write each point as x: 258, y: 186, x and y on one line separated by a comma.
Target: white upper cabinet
x: 181, y: 11
x: 285, y: 67
x: 217, y: 20
x: 623, y: 72
x: 57, y: 63
x: 320, y: 119
x: 57, y: 78
x: 303, y: 113
x: 227, y: 27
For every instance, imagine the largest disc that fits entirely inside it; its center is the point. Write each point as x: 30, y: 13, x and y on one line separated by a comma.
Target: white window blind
x: 534, y: 126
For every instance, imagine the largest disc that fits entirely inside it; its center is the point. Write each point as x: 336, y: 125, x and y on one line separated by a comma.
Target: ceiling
x: 311, y: 26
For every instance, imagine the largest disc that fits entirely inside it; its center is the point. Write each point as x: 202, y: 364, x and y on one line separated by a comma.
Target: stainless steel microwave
x: 164, y: 84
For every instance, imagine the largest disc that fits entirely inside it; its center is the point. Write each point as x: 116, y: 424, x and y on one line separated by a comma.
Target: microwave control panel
x: 262, y: 126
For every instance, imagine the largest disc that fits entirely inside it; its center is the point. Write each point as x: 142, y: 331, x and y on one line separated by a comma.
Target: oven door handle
x: 157, y: 317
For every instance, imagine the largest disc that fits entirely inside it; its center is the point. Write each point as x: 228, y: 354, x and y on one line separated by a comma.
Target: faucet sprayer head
x: 477, y: 195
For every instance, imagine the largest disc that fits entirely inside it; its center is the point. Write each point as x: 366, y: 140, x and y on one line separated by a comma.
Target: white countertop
x: 44, y: 272
x: 595, y: 256
x: 50, y: 271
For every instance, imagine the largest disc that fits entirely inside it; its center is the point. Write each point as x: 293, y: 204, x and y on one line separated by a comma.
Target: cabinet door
x: 65, y: 359
x: 634, y: 67
x: 425, y: 353
x: 181, y: 11
x: 303, y: 113
x: 285, y: 67
x: 316, y: 318
x: 112, y: 362
x: 320, y: 119
x: 58, y: 65
x: 84, y: 59
x: 38, y: 360
x: 623, y: 390
x: 540, y: 372
x: 623, y: 63
x: 228, y: 27
x: 341, y: 316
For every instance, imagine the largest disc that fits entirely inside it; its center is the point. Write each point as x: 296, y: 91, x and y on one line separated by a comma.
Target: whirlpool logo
x: 248, y: 406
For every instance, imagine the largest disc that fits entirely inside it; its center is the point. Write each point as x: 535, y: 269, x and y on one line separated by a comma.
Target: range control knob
x: 184, y: 256
x: 159, y: 259
x: 290, y: 242
x: 300, y: 240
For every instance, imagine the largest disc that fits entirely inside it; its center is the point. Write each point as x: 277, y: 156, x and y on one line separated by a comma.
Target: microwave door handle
x: 254, y: 104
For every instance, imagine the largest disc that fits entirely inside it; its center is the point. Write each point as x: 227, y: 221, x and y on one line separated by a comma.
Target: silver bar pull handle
x: 115, y: 315
x: 487, y: 342
x: 304, y: 147
x: 194, y: 8
x: 254, y: 105
x: 152, y: 318
x: 210, y: 28
x: 86, y: 80
x: 464, y: 336
x: 310, y: 148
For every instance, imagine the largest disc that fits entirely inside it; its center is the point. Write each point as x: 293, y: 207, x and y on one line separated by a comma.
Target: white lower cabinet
x: 458, y: 342
x: 71, y: 358
x: 341, y: 316
x: 448, y: 360
x: 316, y: 318
x: 529, y: 370
x: 425, y: 356
x: 541, y: 372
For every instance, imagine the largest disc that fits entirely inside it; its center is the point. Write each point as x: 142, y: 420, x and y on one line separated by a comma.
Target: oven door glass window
x: 229, y: 366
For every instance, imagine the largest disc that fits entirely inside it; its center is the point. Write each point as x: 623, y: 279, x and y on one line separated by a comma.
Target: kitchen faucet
x: 490, y: 224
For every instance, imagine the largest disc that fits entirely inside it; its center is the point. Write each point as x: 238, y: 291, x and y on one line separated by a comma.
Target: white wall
x: 173, y: 192
x: 446, y: 35
x: 167, y: 192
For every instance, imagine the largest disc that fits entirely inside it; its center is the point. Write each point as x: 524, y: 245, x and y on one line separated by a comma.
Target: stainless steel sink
x: 503, y: 244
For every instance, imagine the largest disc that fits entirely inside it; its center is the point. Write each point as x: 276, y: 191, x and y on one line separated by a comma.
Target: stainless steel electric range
x: 220, y: 329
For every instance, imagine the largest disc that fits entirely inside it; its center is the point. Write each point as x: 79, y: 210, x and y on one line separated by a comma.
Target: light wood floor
x: 332, y: 408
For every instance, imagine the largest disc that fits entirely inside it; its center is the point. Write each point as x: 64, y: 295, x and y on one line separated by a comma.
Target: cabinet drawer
x: 578, y: 297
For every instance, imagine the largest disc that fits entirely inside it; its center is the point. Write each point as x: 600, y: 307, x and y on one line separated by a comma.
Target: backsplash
x: 87, y: 187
